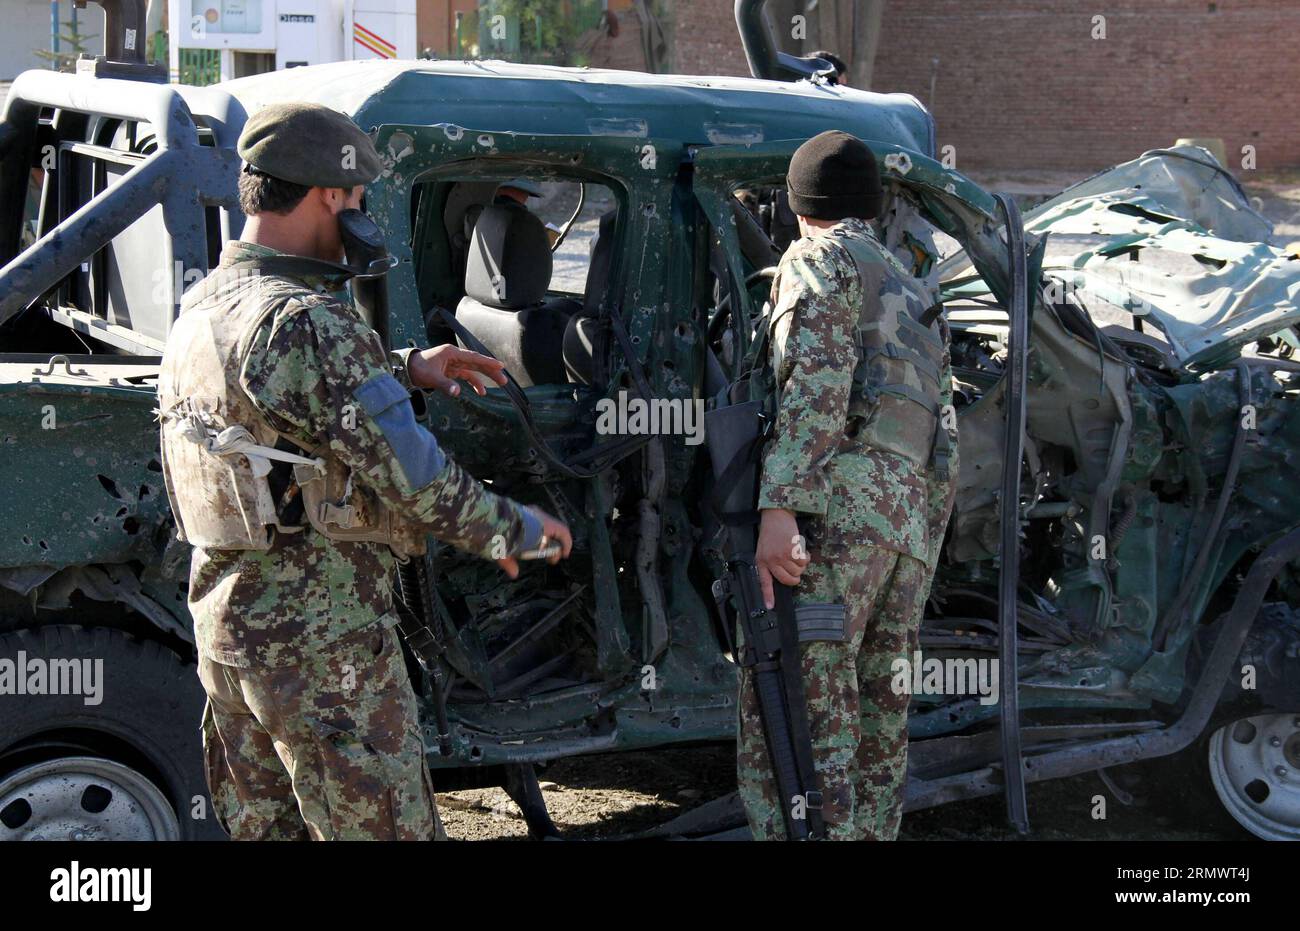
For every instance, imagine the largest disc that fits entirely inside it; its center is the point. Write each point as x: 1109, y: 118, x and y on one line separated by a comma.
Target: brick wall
x: 703, y: 36
x: 1022, y: 84
x: 436, y: 24
x: 1025, y: 84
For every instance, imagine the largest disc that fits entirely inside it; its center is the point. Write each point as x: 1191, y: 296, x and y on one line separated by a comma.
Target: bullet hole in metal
x: 399, y: 143
x: 110, y: 486
x: 131, y: 526
x: 154, y: 465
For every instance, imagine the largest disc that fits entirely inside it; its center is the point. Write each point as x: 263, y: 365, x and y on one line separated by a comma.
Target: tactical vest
x: 219, y: 451
x: 895, y: 398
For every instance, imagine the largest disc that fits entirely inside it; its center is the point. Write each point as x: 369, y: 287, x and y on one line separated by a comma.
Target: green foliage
x: 71, y: 46
x: 536, y: 31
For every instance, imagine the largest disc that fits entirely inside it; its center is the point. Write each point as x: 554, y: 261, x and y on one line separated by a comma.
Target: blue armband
x: 415, y: 448
x: 532, y: 530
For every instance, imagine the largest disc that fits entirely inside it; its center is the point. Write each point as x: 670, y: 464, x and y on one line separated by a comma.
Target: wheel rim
x: 1255, y: 767
x: 83, y: 798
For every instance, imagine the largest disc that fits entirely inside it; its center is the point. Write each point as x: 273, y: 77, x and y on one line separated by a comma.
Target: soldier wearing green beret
x: 857, y: 485
x: 297, y: 470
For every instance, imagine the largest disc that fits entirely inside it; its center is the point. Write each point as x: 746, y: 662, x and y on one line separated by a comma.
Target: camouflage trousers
x: 329, y: 750
x: 858, y: 722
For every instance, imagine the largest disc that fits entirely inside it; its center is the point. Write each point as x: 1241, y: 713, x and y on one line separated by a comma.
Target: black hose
x: 722, y: 313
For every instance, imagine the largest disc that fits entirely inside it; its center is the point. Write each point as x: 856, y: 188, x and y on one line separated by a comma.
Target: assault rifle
x: 735, y: 435
x: 422, y: 630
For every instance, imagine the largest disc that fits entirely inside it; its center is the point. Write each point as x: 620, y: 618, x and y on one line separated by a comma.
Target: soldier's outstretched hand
x: 443, y: 367
x: 780, y: 552
x: 555, y: 535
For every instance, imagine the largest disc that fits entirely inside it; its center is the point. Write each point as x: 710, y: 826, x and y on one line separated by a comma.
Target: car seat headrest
x: 509, y: 263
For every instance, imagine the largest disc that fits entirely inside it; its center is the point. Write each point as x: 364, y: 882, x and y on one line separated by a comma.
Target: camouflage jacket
x: 308, y: 371
x: 847, y: 493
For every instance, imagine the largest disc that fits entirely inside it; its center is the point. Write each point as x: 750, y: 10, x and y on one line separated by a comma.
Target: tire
x: 137, y: 751
x: 1254, y: 767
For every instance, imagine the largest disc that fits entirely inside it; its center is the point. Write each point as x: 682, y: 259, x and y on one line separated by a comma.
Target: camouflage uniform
x: 873, y: 522
x: 311, y: 727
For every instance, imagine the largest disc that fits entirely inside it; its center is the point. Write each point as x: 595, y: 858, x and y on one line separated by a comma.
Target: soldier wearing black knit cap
x: 857, y: 484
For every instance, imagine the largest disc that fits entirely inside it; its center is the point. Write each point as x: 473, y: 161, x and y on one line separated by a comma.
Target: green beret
x: 309, y: 144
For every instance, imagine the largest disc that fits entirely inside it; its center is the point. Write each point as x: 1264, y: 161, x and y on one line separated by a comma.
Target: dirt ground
x: 610, y: 797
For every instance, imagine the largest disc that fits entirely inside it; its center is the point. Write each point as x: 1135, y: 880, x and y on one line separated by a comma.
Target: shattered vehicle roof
x: 1182, y: 247
x: 499, y: 96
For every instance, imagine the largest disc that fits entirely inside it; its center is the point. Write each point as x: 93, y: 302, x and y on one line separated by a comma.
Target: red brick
x: 1023, y: 85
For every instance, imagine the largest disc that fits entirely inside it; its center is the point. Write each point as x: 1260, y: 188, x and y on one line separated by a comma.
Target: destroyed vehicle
x: 1127, y: 345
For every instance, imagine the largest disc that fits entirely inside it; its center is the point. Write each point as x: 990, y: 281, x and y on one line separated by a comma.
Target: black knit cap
x: 832, y: 176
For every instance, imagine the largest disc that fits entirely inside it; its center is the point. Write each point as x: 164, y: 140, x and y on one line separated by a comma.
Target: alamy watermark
x: 32, y: 675
x: 77, y: 883
x: 624, y: 416
x: 948, y: 676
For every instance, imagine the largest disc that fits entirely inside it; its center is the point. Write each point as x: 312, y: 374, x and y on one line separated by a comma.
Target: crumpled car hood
x: 1183, y: 247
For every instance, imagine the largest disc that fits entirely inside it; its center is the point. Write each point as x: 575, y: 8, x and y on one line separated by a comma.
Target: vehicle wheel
x: 127, y: 768
x: 1255, y: 768
x: 83, y: 798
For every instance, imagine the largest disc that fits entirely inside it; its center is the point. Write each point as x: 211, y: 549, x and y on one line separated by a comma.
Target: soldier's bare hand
x: 554, y: 532
x: 442, y: 367
x: 780, y: 553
